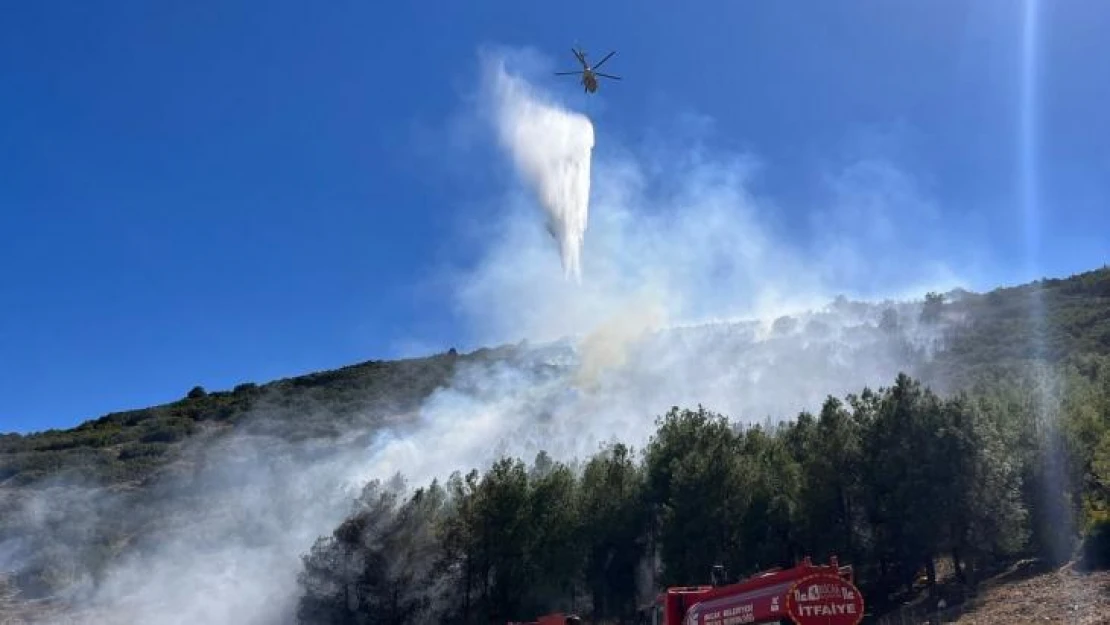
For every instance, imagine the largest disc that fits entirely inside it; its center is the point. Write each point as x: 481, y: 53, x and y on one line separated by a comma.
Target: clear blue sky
x: 216, y: 192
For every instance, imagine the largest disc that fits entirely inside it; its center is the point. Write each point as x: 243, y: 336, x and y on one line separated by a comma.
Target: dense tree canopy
x: 891, y: 479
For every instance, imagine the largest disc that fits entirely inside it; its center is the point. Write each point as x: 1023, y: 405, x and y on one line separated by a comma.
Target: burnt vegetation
x: 963, y: 461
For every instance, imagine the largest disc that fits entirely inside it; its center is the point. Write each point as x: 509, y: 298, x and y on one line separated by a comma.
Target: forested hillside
x: 890, y: 479
x: 992, y: 333
x: 1013, y: 461
x: 991, y: 446
x: 62, y: 491
x: 130, y: 446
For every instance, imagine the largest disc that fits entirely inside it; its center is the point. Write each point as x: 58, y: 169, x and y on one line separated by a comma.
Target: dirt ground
x: 1063, y: 596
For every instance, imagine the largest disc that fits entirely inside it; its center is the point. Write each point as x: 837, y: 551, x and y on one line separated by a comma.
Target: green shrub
x: 141, y: 450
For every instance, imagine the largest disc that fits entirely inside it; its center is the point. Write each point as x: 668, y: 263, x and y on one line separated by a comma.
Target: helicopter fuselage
x: 589, y: 81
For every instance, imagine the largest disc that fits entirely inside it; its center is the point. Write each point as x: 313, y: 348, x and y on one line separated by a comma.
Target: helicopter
x: 589, y: 74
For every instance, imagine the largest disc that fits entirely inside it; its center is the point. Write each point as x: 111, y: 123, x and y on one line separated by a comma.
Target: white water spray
x: 551, y: 148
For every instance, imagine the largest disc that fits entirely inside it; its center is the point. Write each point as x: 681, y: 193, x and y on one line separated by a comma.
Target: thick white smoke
x: 222, y: 541
x: 551, y: 147
x: 677, y: 238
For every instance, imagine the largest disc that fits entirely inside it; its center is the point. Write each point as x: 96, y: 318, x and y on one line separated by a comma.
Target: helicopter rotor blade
x: 598, y: 64
x: 568, y: 73
x: 607, y: 75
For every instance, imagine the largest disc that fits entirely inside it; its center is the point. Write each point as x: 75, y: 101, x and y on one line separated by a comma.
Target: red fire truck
x: 806, y: 594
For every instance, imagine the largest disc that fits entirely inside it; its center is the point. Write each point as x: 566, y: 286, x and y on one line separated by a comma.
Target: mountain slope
x: 985, y: 334
x: 1002, y: 329
x: 62, y: 491
x: 127, y: 447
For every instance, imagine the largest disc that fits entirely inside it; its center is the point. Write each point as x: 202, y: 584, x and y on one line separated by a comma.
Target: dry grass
x: 1061, y: 596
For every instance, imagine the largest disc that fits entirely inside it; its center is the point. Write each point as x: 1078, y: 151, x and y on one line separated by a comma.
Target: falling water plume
x: 1059, y: 522
x: 551, y: 148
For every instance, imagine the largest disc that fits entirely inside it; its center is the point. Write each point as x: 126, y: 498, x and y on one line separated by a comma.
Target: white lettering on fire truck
x: 827, y: 609
x: 730, y: 616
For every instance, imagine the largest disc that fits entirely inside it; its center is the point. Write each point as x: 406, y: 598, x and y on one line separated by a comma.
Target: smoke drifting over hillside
x: 677, y: 240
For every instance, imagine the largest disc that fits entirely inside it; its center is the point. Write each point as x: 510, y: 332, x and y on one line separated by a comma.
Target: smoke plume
x: 550, y: 146
x: 692, y: 296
